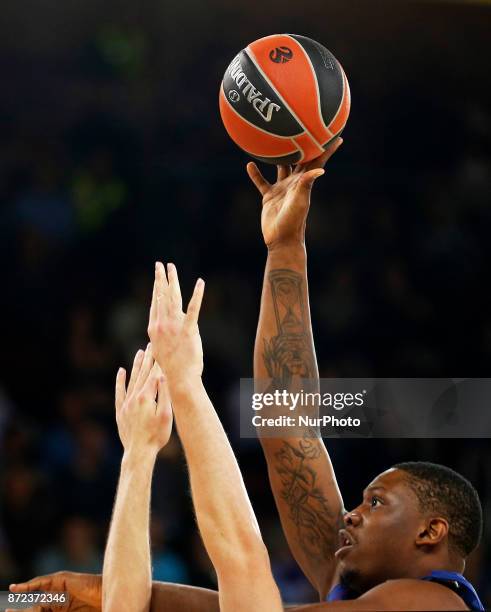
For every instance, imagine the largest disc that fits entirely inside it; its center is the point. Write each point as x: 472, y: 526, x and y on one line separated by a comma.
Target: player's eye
x: 375, y: 501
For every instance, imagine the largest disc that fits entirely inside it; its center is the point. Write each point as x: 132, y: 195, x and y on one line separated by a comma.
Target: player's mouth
x: 346, y: 542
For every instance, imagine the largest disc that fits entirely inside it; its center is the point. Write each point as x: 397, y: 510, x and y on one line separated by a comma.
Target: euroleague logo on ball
x: 233, y: 96
x: 280, y: 55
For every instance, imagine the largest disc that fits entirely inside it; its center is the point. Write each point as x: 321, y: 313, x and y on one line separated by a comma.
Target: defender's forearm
x: 127, y: 576
x: 224, y: 514
x: 300, y: 471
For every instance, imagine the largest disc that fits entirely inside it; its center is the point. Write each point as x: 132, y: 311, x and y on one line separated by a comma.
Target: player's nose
x: 352, y: 518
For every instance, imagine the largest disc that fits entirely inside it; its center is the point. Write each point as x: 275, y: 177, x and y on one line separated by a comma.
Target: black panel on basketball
x: 330, y: 76
x: 255, y: 100
x: 294, y: 158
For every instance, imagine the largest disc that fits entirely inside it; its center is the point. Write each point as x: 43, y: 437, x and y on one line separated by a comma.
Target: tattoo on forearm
x: 309, y: 510
x: 287, y: 355
x: 290, y: 352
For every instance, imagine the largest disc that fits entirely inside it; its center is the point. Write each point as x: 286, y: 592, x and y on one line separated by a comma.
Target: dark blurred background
x: 112, y: 155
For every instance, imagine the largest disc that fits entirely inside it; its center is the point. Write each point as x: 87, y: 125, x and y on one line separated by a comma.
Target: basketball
x: 284, y: 98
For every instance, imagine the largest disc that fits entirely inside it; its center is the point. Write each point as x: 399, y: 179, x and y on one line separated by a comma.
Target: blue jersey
x: 452, y: 580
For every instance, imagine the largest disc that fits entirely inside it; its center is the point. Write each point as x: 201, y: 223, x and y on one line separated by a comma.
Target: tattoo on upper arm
x: 315, y: 521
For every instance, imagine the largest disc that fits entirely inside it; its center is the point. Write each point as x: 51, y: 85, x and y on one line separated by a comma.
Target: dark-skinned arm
x: 85, y: 595
x: 168, y: 597
x: 410, y: 595
x: 300, y: 471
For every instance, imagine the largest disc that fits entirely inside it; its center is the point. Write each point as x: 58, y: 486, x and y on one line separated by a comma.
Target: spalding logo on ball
x: 284, y: 98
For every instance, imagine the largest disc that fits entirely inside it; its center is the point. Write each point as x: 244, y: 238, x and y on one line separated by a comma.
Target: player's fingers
x: 35, y: 584
x: 120, y: 391
x: 333, y: 146
x: 308, y: 178
x: 174, y: 288
x: 40, y: 583
x: 282, y: 171
x: 320, y: 162
x: 257, y: 178
x: 194, y: 305
x: 146, y: 366
x: 135, y: 370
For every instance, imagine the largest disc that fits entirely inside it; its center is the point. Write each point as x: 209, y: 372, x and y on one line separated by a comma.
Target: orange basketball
x: 284, y: 98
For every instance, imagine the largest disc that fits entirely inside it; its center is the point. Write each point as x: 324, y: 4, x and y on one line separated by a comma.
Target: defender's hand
x: 84, y: 590
x: 144, y: 422
x: 286, y: 202
x: 174, y: 334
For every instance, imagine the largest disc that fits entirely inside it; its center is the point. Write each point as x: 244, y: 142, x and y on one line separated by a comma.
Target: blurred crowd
x: 112, y: 155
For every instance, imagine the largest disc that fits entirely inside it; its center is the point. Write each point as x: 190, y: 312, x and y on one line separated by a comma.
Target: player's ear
x: 432, y: 532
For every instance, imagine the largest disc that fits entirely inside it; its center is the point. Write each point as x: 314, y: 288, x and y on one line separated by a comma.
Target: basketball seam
x: 253, y: 59
x: 314, y: 74
x: 302, y: 152
x: 297, y: 148
x: 345, y: 80
x: 253, y: 124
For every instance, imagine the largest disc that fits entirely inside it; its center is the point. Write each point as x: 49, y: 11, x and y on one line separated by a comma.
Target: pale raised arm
x: 225, y: 517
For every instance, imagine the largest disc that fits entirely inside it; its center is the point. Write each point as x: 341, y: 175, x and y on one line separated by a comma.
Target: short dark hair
x: 442, y: 490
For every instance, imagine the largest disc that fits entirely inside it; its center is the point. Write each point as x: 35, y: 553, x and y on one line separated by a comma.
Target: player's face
x: 378, y: 542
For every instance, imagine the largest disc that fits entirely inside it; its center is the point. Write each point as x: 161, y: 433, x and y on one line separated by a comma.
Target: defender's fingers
x: 174, y: 287
x: 151, y: 384
x: 135, y: 370
x: 147, y: 364
x: 257, y: 178
x: 161, y: 278
x: 152, y: 318
x: 194, y: 305
x: 120, y: 392
x: 162, y: 291
x: 164, y: 396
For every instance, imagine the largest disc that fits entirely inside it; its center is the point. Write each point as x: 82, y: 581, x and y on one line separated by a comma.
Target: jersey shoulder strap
x: 459, y: 585
x: 454, y: 581
x: 339, y: 592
